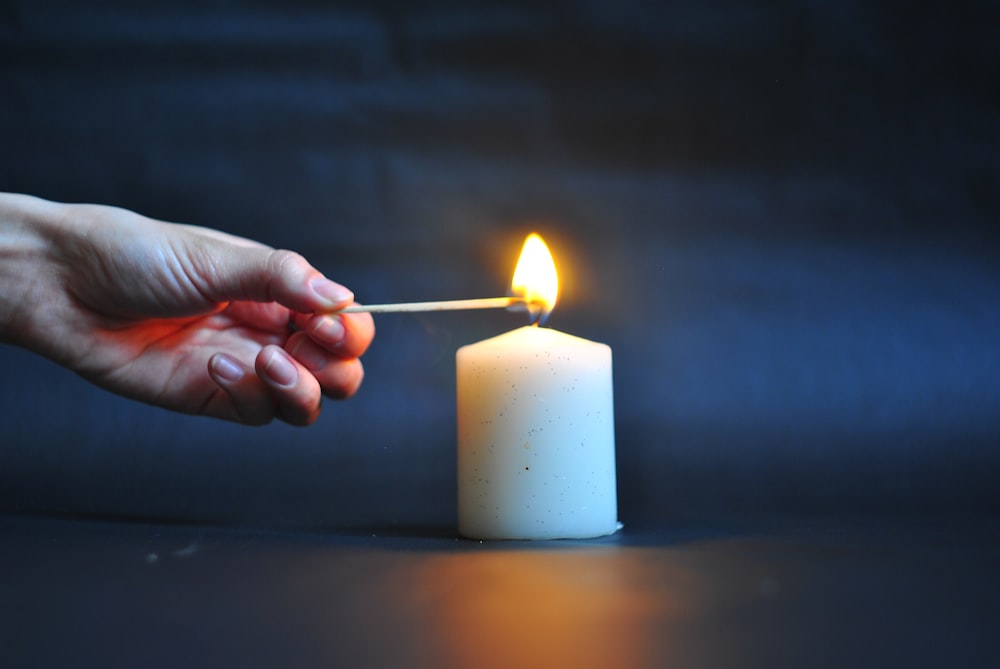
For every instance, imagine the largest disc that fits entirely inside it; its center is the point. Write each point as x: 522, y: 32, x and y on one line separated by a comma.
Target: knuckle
x: 282, y: 262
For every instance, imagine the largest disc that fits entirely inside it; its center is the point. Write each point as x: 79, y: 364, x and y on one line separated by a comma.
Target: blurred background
x: 782, y: 217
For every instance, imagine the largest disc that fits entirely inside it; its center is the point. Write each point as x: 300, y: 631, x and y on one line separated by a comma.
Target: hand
x: 186, y: 318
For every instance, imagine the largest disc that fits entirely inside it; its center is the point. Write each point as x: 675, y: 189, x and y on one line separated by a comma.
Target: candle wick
x: 539, y: 314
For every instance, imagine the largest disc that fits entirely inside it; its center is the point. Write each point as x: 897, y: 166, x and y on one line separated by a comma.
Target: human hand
x: 186, y: 318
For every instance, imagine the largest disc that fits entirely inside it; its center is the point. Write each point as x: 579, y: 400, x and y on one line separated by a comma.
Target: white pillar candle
x: 536, y: 443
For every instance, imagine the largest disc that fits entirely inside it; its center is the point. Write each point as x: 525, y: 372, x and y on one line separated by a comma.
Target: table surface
x: 832, y: 592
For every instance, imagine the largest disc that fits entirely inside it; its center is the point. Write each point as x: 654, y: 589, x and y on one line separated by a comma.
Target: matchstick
x: 444, y: 305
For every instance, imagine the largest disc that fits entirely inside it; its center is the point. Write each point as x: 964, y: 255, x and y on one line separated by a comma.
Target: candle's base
x: 535, y: 536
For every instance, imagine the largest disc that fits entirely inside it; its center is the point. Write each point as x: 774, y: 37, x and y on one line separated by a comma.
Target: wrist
x: 28, y: 227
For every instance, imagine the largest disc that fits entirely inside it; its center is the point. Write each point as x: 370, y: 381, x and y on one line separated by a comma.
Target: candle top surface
x: 532, y: 335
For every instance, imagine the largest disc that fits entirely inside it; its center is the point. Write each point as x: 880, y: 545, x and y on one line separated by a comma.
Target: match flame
x: 535, y: 279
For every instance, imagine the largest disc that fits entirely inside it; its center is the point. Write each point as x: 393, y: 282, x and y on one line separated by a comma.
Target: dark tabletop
x: 818, y: 593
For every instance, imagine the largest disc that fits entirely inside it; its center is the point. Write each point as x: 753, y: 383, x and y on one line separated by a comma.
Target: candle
x: 536, y: 444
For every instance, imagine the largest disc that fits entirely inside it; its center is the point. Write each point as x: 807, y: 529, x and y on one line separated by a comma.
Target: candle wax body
x: 536, y: 442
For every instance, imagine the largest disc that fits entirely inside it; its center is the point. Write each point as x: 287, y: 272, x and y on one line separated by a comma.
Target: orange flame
x: 535, y: 278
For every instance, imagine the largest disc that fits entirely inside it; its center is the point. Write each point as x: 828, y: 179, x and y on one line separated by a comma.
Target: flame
x: 535, y: 278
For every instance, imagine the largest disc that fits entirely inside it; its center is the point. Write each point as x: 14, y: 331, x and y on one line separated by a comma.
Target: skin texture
x: 182, y: 317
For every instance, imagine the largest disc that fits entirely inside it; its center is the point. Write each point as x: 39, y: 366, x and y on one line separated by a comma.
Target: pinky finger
x: 245, y: 398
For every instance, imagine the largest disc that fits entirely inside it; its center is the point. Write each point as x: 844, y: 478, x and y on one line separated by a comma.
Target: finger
x: 246, y: 399
x: 227, y: 271
x: 265, y: 317
x: 294, y: 390
x: 339, y: 378
x: 347, y: 335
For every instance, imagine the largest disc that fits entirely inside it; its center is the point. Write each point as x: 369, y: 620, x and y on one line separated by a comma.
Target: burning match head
x: 538, y: 311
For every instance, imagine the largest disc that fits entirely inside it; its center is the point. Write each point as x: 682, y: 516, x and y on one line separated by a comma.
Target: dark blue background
x: 781, y: 216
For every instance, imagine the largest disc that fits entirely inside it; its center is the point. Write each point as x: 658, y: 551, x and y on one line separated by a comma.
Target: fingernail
x: 226, y: 369
x: 308, y: 355
x: 333, y: 294
x: 329, y: 331
x: 280, y: 369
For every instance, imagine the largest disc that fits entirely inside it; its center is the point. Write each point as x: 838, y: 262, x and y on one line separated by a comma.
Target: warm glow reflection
x: 577, y: 608
x: 535, y: 277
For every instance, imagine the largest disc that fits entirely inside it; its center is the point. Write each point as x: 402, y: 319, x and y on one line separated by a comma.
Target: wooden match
x: 444, y: 305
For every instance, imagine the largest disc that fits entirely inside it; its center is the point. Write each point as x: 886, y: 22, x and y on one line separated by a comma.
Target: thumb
x: 261, y: 274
